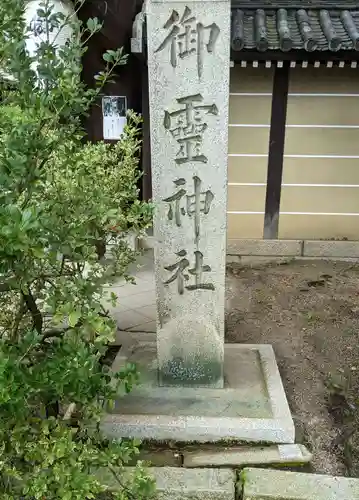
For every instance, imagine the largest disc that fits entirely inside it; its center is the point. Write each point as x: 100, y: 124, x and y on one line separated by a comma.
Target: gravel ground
x: 309, y: 312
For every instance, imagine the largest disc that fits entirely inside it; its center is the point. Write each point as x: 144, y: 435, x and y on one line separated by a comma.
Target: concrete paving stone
x: 194, y: 484
x: 331, y: 249
x: 129, y: 338
x: 143, y: 263
x: 125, y: 289
x: 260, y: 484
x: 146, y: 283
x: 159, y: 458
x: 145, y: 327
x: 146, y: 276
x: 129, y: 319
x: 118, y: 308
x: 130, y: 289
x: 149, y: 311
x: 255, y: 260
x: 138, y: 300
x: 175, y: 483
x: 116, y: 284
x: 147, y: 243
x: 240, y: 456
x: 264, y: 247
x: 233, y: 259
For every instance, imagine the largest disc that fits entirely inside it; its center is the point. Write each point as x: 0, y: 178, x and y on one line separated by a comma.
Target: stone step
x: 194, y: 484
x: 240, y: 456
x: 234, y: 457
x: 260, y: 484
x: 174, y: 483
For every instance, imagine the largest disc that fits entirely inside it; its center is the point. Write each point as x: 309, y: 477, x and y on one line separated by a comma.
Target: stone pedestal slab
x: 252, y: 406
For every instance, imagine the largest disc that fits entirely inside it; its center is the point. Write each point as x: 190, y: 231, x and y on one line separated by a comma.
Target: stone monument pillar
x: 182, y: 396
x: 188, y: 64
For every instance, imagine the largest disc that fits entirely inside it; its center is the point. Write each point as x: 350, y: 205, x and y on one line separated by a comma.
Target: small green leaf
x: 93, y: 25
x: 107, y: 57
x: 41, y: 13
x: 38, y: 252
x: 74, y: 317
x: 90, y: 24
x: 60, y: 197
x: 113, y: 299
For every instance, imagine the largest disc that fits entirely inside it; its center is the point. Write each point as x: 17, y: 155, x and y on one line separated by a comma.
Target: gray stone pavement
x: 267, y: 484
x: 136, y: 304
x: 176, y: 483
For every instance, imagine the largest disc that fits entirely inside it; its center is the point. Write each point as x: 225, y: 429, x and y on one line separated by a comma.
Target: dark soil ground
x: 309, y: 312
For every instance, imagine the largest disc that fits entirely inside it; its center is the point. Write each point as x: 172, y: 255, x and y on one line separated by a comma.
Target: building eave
x: 331, y: 35
x: 289, y: 30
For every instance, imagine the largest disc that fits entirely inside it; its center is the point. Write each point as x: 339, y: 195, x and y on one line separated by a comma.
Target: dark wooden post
x: 146, y: 136
x: 276, y: 151
x: 117, y: 17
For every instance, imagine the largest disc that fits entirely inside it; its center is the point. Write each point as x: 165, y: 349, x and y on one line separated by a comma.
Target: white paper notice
x: 114, y: 109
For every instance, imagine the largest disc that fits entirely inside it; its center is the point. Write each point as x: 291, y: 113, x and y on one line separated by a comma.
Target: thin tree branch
x: 125, y: 488
x: 6, y: 286
x: 18, y: 318
x: 63, y: 260
x: 34, y: 311
x: 52, y: 409
x: 55, y: 333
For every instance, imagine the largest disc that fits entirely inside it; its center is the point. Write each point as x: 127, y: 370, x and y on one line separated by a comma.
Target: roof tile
x: 285, y: 29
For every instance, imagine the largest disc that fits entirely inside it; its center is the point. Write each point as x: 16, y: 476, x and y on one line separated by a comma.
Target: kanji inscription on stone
x: 182, y: 275
x: 192, y: 205
x: 187, y: 126
x: 188, y: 44
x: 187, y: 37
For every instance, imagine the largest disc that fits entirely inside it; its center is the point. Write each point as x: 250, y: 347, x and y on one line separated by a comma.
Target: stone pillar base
x: 252, y: 407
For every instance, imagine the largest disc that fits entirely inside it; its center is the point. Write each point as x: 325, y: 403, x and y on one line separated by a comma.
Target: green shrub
x: 61, y: 201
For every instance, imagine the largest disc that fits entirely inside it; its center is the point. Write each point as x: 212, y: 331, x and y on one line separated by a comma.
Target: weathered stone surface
x: 129, y: 339
x: 159, y: 458
x: 181, y: 484
x: 251, y: 407
x: 257, y: 247
x: 240, y: 456
x: 137, y: 31
x: 255, y: 261
x: 277, y: 485
x: 194, y: 484
x: 188, y: 65
x: 146, y: 242
x: 233, y: 259
x: 340, y: 249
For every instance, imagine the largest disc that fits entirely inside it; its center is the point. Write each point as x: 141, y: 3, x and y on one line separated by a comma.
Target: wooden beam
x: 294, y: 55
x: 276, y: 151
x: 295, y: 5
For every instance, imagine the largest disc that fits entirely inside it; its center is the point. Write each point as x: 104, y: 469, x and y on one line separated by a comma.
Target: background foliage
x: 61, y: 201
